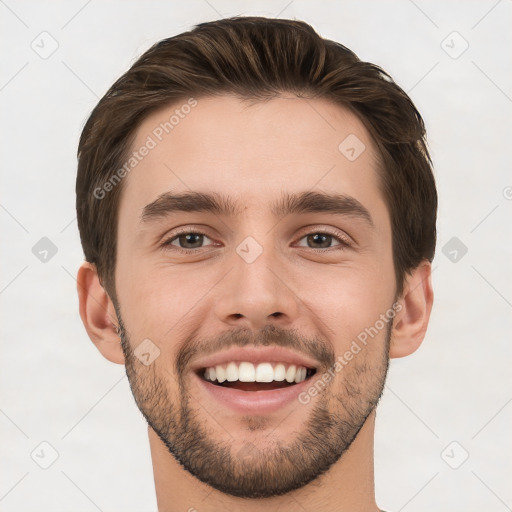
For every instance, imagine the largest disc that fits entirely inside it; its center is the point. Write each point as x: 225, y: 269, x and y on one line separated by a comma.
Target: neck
x: 348, y: 486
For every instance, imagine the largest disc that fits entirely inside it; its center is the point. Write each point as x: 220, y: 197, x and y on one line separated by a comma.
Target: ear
x: 414, y: 307
x: 98, y: 313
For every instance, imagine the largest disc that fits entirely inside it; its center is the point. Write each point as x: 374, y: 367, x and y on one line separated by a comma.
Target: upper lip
x: 256, y: 355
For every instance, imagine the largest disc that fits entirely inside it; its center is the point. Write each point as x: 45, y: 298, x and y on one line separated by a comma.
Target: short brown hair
x: 258, y: 58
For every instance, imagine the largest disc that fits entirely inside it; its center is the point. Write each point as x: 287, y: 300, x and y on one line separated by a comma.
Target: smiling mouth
x: 277, y: 382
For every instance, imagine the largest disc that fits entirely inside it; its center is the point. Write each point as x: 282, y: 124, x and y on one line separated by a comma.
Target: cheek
x: 160, y: 303
x: 345, y: 302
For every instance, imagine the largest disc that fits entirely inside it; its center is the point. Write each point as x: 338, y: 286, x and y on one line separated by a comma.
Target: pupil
x: 325, y: 243
x: 187, y: 237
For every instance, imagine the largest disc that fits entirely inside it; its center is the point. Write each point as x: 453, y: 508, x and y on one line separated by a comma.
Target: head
x: 251, y: 184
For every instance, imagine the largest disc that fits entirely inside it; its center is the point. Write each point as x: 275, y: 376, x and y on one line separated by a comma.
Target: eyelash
x: 344, y: 244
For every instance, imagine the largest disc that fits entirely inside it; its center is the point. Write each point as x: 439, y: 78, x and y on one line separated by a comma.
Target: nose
x: 255, y: 293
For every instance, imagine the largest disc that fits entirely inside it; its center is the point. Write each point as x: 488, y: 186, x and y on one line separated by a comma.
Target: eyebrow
x: 302, y: 202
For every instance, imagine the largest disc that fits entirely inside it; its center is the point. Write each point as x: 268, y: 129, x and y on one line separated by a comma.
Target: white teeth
x: 279, y: 372
x: 263, y: 372
x: 290, y: 373
x: 246, y: 372
x: 300, y: 375
x: 221, y: 373
x: 232, y: 372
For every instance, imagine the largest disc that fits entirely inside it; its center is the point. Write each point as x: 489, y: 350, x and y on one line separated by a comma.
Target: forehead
x: 251, y: 152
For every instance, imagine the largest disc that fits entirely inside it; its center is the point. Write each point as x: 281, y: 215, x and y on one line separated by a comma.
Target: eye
x: 188, y: 241
x: 323, y: 240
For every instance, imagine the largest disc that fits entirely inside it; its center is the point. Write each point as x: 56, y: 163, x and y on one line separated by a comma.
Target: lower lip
x: 254, y: 402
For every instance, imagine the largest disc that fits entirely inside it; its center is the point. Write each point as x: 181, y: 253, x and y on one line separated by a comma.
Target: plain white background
x: 448, y: 401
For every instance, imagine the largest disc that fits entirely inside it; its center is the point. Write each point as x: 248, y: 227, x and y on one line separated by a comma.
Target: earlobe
x: 98, y: 313
x: 410, y: 323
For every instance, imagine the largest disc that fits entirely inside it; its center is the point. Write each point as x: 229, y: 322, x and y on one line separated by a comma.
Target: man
x: 257, y: 211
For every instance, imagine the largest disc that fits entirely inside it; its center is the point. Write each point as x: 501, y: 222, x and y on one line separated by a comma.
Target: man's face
x: 308, y: 281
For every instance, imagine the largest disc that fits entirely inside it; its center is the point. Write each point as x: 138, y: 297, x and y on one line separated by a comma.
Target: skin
x: 205, y: 456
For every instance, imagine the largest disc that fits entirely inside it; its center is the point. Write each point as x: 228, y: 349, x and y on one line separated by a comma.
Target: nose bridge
x: 255, y: 288
x: 253, y: 265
